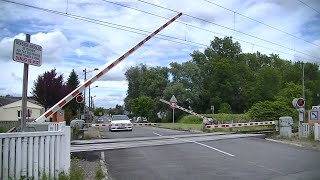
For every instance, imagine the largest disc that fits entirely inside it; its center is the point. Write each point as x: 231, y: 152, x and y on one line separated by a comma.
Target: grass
x: 198, y: 127
x: 99, y: 174
x: 76, y: 173
x: 221, y: 118
x: 181, y: 126
x: 87, y: 136
x: 2, y: 130
x: 230, y: 118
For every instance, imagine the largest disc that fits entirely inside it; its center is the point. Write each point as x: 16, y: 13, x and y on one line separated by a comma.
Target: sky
x: 98, y: 34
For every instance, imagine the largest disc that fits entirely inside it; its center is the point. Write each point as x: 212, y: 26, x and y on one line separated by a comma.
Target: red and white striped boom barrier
x: 264, y: 123
x: 78, y: 90
x: 187, y: 110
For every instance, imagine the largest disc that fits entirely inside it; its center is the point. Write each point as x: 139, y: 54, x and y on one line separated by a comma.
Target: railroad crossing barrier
x: 107, y: 125
x: 235, y: 125
x: 31, y: 154
x: 206, y: 120
x: 101, y: 72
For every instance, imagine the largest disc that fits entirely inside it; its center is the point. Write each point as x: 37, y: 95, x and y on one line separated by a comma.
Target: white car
x: 120, y: 122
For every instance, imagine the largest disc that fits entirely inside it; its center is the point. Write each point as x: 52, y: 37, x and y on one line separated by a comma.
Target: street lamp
x: 92, y: 105
x: 90, y: 96
x: 84, y: 95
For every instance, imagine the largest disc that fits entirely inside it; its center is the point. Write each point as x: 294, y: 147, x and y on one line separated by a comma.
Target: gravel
x: 88, y: 162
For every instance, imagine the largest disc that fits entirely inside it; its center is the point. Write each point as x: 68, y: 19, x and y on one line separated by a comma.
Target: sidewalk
x: 295, y: 141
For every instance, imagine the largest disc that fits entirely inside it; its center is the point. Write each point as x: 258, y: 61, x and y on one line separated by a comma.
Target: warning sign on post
x: 26, y: 52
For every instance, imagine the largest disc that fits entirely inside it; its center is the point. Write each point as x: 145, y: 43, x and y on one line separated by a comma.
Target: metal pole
x: 173, y: 114
x: 84, y: 94
x: 303, y: 92
x: 79, y: 111
x: 91, y: 102
x: 89, y: 98
x: 24, y: 91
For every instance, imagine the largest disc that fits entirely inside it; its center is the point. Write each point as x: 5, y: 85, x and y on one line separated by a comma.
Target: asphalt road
x: 139, y: 131
x: 242, y: 158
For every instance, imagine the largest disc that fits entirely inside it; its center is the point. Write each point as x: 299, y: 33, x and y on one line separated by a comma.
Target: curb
x: 103, y: 163
x: 284, y: 142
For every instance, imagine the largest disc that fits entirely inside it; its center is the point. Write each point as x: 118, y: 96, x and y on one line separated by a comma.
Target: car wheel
x: 130, y: 130
x: 110, y: 130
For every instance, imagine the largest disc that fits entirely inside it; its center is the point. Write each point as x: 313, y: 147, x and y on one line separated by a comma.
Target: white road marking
x: 213, y: 148
x: 201, y: 145
x: 157, y: 134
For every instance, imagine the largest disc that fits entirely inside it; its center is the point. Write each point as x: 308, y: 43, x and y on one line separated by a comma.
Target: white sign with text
x: 26, y: 52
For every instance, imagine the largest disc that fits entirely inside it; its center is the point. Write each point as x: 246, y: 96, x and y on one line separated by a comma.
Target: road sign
x: 315, y: 107
x: 26, y: 52
x: 173, y: 105
x: 173, y: 99
x: 314, y: 115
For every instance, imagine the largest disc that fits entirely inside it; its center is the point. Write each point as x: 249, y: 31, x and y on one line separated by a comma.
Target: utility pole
x: 84, y: 94
x: 24, y: 91
x: 303, y: 92
x: 90, y: 100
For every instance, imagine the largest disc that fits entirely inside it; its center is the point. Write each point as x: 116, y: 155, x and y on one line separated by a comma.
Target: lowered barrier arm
x: 78, y: 90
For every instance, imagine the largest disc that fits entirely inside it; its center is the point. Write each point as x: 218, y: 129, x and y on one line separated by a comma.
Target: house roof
x: 8, y: 100
x: 5, y: 100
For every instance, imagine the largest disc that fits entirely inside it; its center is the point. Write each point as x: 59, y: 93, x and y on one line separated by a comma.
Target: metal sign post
x: 27, y: 53
x: 24, y: 92
x: 173, y: 104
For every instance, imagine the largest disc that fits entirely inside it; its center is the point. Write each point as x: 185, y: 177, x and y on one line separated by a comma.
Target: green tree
x: 222, y: 74
x: 143, y: 106
x: 72, y: 83
x: 99, y: 111
x: 225, y: 108
x: 291, y: 91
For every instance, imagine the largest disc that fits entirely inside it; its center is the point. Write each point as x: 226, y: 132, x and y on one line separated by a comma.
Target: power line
x: 134, y: 30
x: 197, y: 27
x: 228, y: 28
x: 292, y: 35
x: 111, y: 25
x: 309, y: 6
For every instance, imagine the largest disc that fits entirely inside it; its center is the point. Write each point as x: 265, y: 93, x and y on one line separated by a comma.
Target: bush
x: 225, y: 108
x: 270, y: 111
x: 190, y: 119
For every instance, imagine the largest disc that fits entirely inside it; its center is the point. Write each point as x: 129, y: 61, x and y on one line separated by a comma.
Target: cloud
x: 54, y: 45
x: 73, y: 44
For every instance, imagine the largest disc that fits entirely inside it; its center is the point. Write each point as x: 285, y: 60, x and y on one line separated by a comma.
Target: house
x: 10, y: 109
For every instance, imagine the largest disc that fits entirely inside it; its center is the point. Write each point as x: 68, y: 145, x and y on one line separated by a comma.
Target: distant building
x: 10, y: 109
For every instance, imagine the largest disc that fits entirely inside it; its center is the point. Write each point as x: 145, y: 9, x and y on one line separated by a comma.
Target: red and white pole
x: 78, y: 90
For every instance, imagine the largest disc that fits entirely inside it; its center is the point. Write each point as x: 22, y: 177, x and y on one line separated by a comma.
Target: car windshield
x: 119, y: 117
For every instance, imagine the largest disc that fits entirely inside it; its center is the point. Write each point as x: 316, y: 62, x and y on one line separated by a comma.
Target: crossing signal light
x: 79, y: 99
x: 300, y: 102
